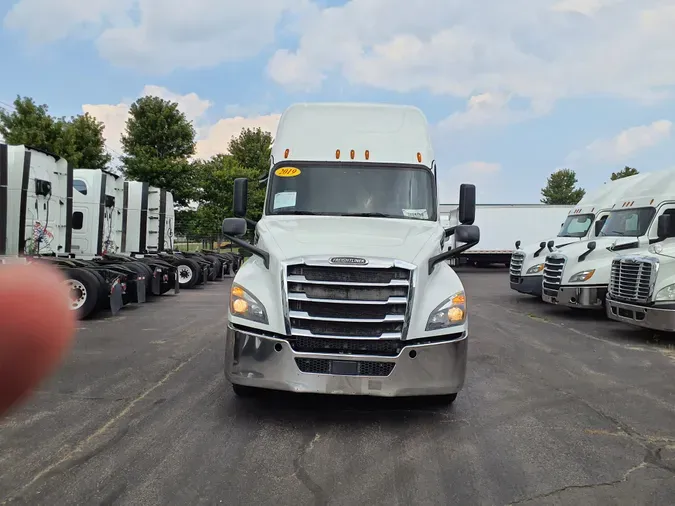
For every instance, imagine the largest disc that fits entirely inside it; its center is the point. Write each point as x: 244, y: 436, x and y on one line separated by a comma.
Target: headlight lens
x: 450, y: 313
x: 244, y: 305
x: 582, y: 276
x: 666, y: 293
x: 655, y: 249
x: 535, y: 269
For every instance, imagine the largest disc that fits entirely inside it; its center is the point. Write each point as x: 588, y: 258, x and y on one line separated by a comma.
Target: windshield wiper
x: 304, y: 213
x: 372, y: 215
x: 615, y: 232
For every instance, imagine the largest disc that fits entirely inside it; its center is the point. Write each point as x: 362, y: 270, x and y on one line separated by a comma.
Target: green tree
x: 79, y: 140
x: 252, y: 149
x: 30, y: 124
x: 625, y: 172
x: 215, y: 180
x: 561, y: 188
x: 157, y: 128
x: 158, y: 141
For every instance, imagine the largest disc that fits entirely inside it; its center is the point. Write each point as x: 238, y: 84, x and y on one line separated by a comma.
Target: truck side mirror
x: 663, y: 230
x: 235, y: 227
x: 467, y: 233
x: 240, y: 198
x: 467, y: 204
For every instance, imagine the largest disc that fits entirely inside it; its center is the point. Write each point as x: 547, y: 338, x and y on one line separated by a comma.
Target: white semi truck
x: 502, y: 224
x: 583, y: 222
x: 348, y: 289
x: 641, y: 289
x: 578, y: 275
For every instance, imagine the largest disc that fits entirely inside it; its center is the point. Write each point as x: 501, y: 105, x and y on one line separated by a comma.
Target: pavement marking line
x: 656, y: 349
x: 81, y: 445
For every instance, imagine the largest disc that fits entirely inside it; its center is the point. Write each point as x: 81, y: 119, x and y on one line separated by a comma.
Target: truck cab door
x: 82, y: 230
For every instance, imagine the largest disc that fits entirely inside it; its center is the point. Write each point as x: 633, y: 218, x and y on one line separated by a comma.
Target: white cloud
x: 212, y: 138
x: 538, y: 50
x: 491, y: 109
x: 586, y: 7
x: 46, y: 21
x: 485, y: 175
x: 157, y: 35
x: 625, y: 144
x: 216, y: 137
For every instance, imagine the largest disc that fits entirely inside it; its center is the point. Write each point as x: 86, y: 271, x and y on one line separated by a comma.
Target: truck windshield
x: 576, y: 226
x: 628, y: 222
x: 352, y: 189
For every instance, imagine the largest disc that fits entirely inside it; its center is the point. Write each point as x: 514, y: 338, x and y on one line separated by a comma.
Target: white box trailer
x: 501, y: 225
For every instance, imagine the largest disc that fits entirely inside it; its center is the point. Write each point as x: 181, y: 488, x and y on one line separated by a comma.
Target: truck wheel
x: 187, y: 272
x: 84, y: 291
x: 244, y: 391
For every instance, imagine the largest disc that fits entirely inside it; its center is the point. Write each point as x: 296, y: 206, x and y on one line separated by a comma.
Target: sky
x: 512, y: 90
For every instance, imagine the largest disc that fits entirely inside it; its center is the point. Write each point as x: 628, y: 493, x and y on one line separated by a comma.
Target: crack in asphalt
x: 79, y: 453
x: 589, y: 485
x: 301, y: 473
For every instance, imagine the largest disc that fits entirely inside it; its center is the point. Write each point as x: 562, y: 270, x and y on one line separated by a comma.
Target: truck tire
x: 244, y: 391
x: 188, y: 272
x: 85, y: 290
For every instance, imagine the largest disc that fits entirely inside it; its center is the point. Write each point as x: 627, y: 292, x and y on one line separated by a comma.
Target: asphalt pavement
x: 559, y: 407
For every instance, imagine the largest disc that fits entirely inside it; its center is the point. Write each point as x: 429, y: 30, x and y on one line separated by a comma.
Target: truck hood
x: 531, y: 249
x: 298, y: 236
x: 601, y: 245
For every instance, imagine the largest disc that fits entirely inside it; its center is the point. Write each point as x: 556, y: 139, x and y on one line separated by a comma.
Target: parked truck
x: 641, y: 289
x: 348, y: 289
x: 502, y: 224
x: 583, y: 222
x: 578, y: 275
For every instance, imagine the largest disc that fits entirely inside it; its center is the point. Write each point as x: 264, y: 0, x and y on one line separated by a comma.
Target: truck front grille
x: 553, y: 271
x: 516, y: 267
x: 347, y: 302
x: 632, y: 278
x: 324, y: 366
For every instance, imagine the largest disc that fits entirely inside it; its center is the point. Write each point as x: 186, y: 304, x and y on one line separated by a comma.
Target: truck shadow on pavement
x: 271, y: 405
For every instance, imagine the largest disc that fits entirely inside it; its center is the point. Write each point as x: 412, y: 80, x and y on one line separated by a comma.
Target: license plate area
x: 344, y: 367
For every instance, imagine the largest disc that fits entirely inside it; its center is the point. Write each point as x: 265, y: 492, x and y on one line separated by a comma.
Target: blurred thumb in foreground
x: 36, y: 327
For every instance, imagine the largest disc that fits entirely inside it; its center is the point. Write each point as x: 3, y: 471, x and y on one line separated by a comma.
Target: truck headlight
x: 448, y: 314
x: 582, y: 276
x: 666, y: 293
x: 535, y: 269
x: 244, y: 305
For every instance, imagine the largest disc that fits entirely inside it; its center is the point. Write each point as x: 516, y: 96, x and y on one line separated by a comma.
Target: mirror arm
x: 251, y: 222
x: 247, y: 246
x: 449, y: 254
x: 449, y: 231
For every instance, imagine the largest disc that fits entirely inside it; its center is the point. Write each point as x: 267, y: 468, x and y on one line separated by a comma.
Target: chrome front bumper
x: 648, y: 317
x: 586, y: 297
x: 256, y: 360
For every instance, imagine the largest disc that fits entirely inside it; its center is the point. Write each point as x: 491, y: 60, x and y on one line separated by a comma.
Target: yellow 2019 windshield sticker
x: 287, y: 172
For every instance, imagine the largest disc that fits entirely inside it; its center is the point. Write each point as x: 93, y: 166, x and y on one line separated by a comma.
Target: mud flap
x: 223, y: 270
x: 156, y: 281
x: 140, y: 290
x: 116, y: 302
x: 205, y: 275
x: 176, y: 286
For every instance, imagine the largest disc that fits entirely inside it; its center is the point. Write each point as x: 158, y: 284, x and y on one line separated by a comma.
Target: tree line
x: 159, y: 144
x: 561, y: 186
